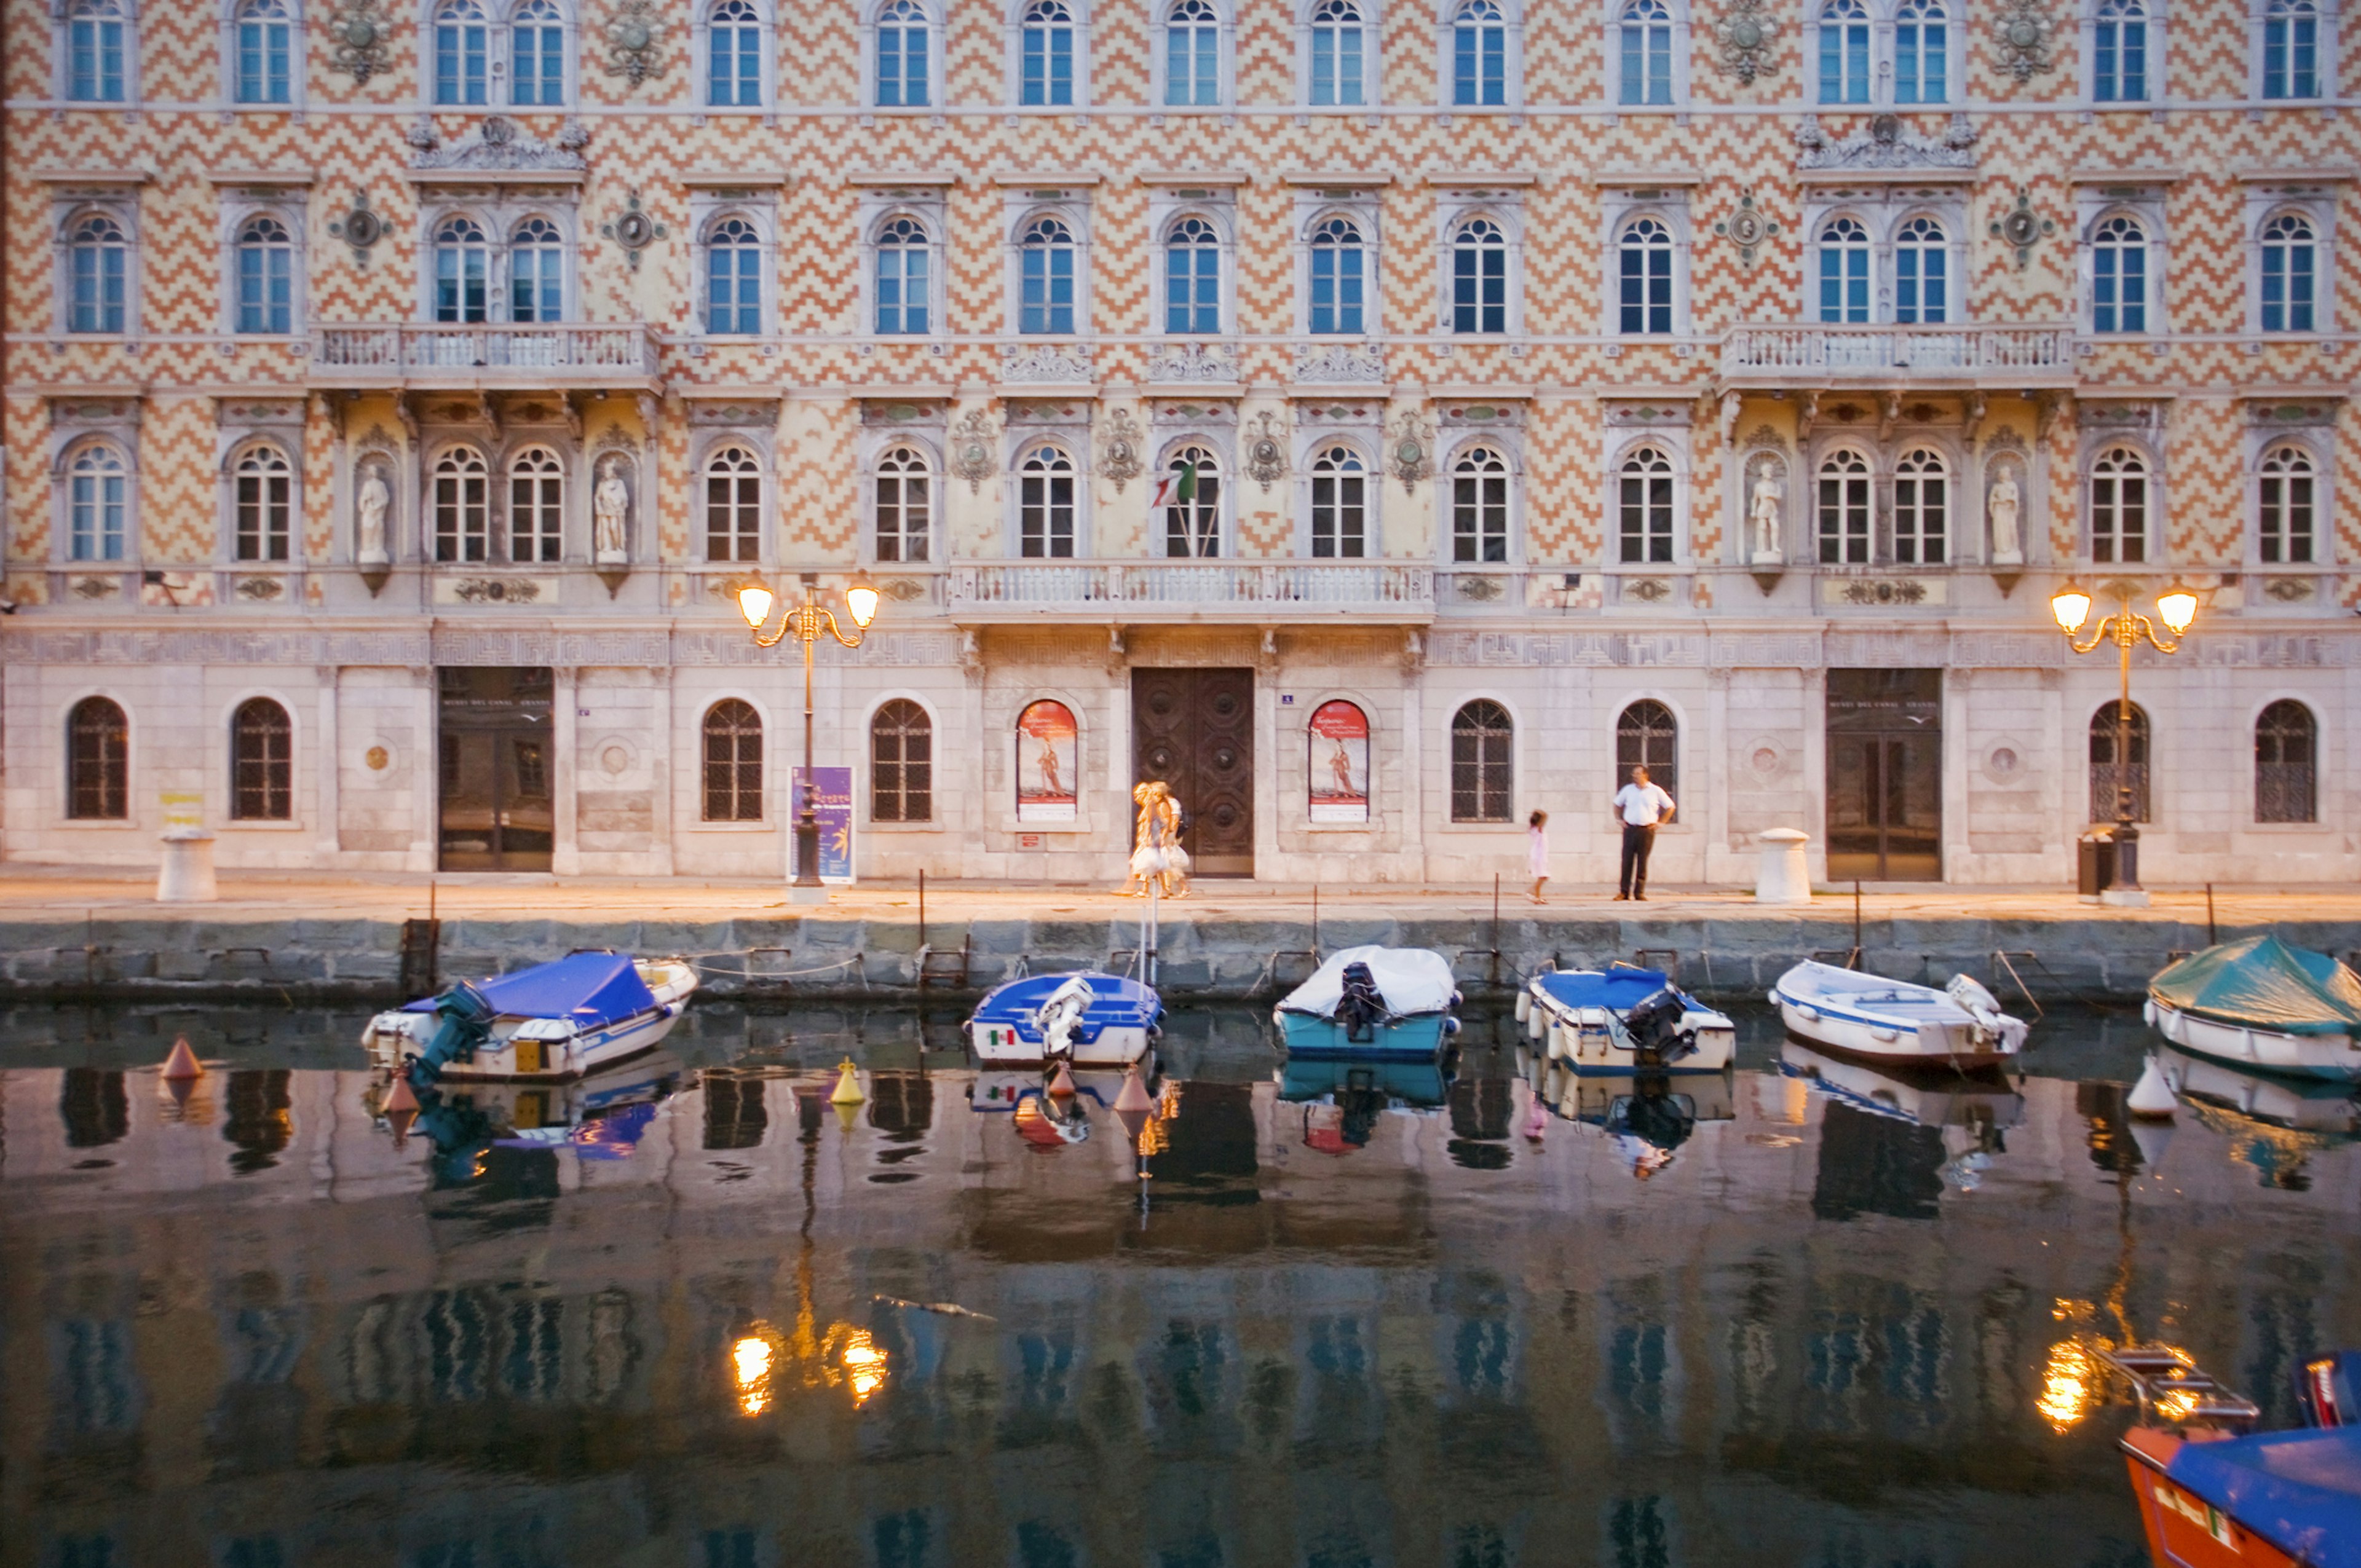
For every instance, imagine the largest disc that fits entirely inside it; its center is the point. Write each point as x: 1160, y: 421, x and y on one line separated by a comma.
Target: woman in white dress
x: 1537, y: 851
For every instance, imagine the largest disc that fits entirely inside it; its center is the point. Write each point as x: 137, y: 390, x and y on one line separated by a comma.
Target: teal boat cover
x: 2263, y: 983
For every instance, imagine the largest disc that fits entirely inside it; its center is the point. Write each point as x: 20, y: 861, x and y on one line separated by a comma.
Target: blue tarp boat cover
x: 2299, y: 1490
x: 587, y: 989
x: 1617, y: 989
x: 2263, y: 983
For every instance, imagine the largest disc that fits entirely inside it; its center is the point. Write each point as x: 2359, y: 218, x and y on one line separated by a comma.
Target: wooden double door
x: 1885, y: 775
x: 1194, y: 730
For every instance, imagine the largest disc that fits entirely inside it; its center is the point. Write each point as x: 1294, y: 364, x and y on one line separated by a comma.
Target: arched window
x: 902, y: 55
x: 261, y: 763
x: 733, y: 762
x: 1645, y: 34
x: 2284, y: 511
x: 1336, y: 53
x: 1191, y: 496
x: 733, y: 506
x: 1647, y: 736
x: 733, y: 58
x: 1047, y: 54
x: 2288, y: 273
x: 905, y: 505
x: 1921, y: 52
x: 1921, y: 272
x: 462, y: 52
x: 901, y: 764
x: 2106, y: 778
x: 265, y: 52
x: 2119, y: 63
x: 733, y: 278
x: 1479, y: 506
x: 1922, y: 510
x: 536, y: 506
x: 1048, y: 265
x: 1844, y: 52
x: 1482, y: 741
x: 98, y: 504
x: 1844, y: 270
x: 1844, y: 509
x: 536, y: 272
x: 463, y: 270
x: 1045, y: 504
x: 461, y: 506
x: 2119, y: 507
x: 1193, y: 55
x: 537, y: 53
x: 2285, y: 785
x: 1480, y: 278
x: 1339, y: 262
x: 98, y: 264
x: 1340, y: 503
x: 1646, y: 254
x: 266, y: 277
x: 1645, y: 502
x: 2119, y: 277
x: 1480, y: 53
x: 1192, y: 278
x: 95, y: 35
x: 263, y: 500
x: 98, y: 762
x: 901, y: 294
x: 2291, y: 49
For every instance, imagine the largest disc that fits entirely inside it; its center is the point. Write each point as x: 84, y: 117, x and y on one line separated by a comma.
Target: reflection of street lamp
x: 806, y: 621
x: 2177, y: 608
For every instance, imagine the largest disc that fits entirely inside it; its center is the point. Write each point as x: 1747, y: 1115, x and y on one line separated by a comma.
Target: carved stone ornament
x: 2021, y: 228
x: 2023, y: 40
x: 1410, y: 451
x: 497, y: 590
x: 632, y: 229
x: 359, y: 227
x: 1747, y: 227
x: 972, y: 440
x: 360, y: 30
x: 1046, y: 364
x: 1340, y: 364
x: 1887, y: 144
x: 1119, y: 459
x: 1766, y: 439
x: 1266, y: 450
x: 1747, y: 37
x: 631, y: 37
x: 1884, y: 590
x: 499, y: 145
x: 1193, y: 364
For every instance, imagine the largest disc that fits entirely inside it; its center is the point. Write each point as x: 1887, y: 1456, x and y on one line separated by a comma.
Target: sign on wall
x: 1048, y: 764
x: 833, y: 807
x: 1340, y: 764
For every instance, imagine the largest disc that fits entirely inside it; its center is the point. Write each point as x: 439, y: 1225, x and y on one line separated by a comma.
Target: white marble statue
x: 2008, y: 546
x: 371, y: 502
x: 1763, y: 511
x: 610, y: 506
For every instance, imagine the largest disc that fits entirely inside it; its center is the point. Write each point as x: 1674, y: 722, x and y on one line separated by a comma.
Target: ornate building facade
x: 1378, y: 422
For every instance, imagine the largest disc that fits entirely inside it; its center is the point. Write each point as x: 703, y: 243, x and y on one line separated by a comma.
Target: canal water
x: 692, y: 1314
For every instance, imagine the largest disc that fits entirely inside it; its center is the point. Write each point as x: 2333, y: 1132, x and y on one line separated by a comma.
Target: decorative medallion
x: 359, y: 228
x: 1747, y: 36
x: 2290, y: 590
x: 1411, y: 453
x: 1648, y: 590
x: 2023, y: 40
x: 1266, y: 450
x: 497, y: 590
x: 971, y: 443
x: 378, y: 759
x: 1747, y: 227
x: 262, y: 588
x: 95, y: 587
x: 1119, y: 459
x: 1884, y: 590
x: 360, y: 31
x: 632, y: 229
x: 903, y: 590
x: 2021, y: 228
x: 631, y: 52
x: 1483, y: 589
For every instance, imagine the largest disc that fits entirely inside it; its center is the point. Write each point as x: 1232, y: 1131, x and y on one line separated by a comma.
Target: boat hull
x: 2297, y: 1056
x: 1119, y: 1028
x: 557, y: 1057
x: 1895, y: 1043
x: 1581, y: 1040
x: 1416, y: 1039
x: 2182, y: 1527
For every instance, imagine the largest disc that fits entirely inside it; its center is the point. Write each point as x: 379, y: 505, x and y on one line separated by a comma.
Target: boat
x: 1883, y: 1020
x: 1342, y: 1100
x: 2261, y: 1003
x: 1599, y: 1098
x: 1088, y: 1019
x: 601, y: 1115
x: 1969, y: 1112
x: 1624, y: 1020
x: 2213, y: 1492
x: 544, y: 1024
x: 1371, y: 1003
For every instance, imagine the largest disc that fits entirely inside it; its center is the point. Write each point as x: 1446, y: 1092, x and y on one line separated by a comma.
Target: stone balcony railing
x: 441, y: 355
x: 1150, y: 590
x: 1818, y: 353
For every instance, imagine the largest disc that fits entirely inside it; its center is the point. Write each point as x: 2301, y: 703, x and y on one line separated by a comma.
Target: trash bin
x: 2094, y: 863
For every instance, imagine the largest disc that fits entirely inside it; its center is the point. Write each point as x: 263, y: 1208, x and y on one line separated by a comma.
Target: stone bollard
x: 187, y: 874
x: 1784, y: 876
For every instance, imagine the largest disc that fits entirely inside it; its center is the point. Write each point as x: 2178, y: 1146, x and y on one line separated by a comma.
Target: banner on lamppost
x: 833, y: 805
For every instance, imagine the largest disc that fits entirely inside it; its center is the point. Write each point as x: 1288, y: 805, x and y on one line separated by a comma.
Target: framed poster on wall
x: 1048, y: 764
x: 1339, y: 775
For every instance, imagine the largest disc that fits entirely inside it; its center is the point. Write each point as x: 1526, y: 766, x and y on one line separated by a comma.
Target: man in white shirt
x: 1643, y: 808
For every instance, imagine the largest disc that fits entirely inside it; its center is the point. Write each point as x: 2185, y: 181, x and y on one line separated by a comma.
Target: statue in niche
x: 371, y: 501
x: 1764, y: 506
x: 2007, y: 541
x: 610, y: 509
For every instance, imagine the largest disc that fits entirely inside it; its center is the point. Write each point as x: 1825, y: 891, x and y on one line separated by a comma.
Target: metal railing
x: 1193, y: 585
x: 405, y: 348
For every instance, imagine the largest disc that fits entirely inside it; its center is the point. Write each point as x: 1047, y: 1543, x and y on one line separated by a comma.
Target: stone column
x: 327, y: 764
x: 1816, y: 768
x: 425, y: 784
x: 566, y: 852
x: 667, y: 745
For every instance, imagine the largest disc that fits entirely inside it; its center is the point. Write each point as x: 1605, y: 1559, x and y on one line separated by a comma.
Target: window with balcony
x: 1922, y: 510
x: 459, y: 505
x: 733, y: 505
x: 1844, y: 509
x: 1645, y: 507
x: 1192, y: 278
x: 98, y: 51
x: 904, y: 52
x: 2286, y: 748
x: 1483, y: 747
x: 1193, y: 55
x: 2289, y: 267
x: 536, y: 272
x: 901, y: 764
x: 1644, y: 53
x: 1479, y: 506
x: 733, y: 278
x: 1922, y: 39
x: 1921, y: 272
x: 262, y: 504
x: 1644, y: 256
x: 463, y: 271
x: 463, y: 53
x: 98, y: 497
x: 1843, y: 254
x: 2119, y: 276
x: 98, y: 762
x: 1190, y: 495
x: 1480, y: 278
x: 537, y: 55
x: 266, y: 277
x: 1045, y: 55
x: 2290, y: 65
x: 2119, y: 57
x: 1479, y: 54
x: 1045, y: 504
x: 536, y: 506
x: 1339, y: 271
x: 2119, y: 507
x: 1047, y: 274
x: 262, y: 763
x: 264, y: 34
x: 733, y: 762
x: 1339, y: 40
x: 903, y: 493
x: 2108, y: 778
x: 903, y: 256
x: 1340, y: 503
x: 733, y: 55
x: 1844, y: 52
x: 98, y: 269
x: 2284, y: 516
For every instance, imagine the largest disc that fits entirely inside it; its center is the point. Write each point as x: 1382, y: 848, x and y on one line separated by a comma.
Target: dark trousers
x: 1637, y: 842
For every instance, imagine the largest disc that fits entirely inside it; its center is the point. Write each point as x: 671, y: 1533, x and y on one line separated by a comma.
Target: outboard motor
x: 1061, y: 1015
x: 467, y: 1023
x: 1654, y: 1025
x: 2329, y: 1390
x: 1362, y: 1007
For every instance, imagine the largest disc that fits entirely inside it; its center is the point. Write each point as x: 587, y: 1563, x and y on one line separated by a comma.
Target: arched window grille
x: 98, y: 504
x: 1645, y: 500
x: 1340, y: 503
x: 2119, y: 507
x: 1844, y: 52
x: 1336, y: 53
x: 536, y: 272
x: 2289, y: 265
x: 1479, y: 506
x: 1045, y: 504
x: 1646, y: 259
x: 1922, y: 510
x: 1844, y: 509
x: 463, y: 271
x: 1844, y: 270
x: 1338, y: 263
x: 1921, y: 52
x: 263, y: 501
x: 733, y: 55
x: 1047, y: 54
x: 1480, y: 278
x: 462, y: 53
x: 902, y: 49
x: 98, y: 762
x: 1193, y: 55
x: 536, y: 506
x: 905, y: 505
x: 1046, y: 264
x: 2285, y: 515
x: 2106, y: 779
x: 733, y: 762
x: 733, y: 506
x: 901, y: 294
x: 262, y: 763
x: 2119, y: 66
x: 1921, y: 273
x: 1192, y: 278
x: 96, y: 33
x: 2291, y: 49
x: 98, y: 265
x: 1479, y: 54
x: 901, y: 764
x: 2286, y: 743
x: 1647, y: 736
x: 733, y: 278
x: 1193, y: 508
x: 1482, y: 746
x: 462, y: 507
x: 266, y: 277
x: 1645, y: 36
x: 265, y: 52
x: 2119, y: 277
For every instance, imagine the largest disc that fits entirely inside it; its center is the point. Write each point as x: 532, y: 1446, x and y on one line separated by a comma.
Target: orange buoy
x: 1061, y: 1087
x: 401, y: 1098
x: 1134, y: 1093
x: 182, y: 1063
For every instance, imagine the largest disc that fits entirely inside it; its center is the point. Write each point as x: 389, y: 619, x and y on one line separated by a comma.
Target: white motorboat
x: 1894, y: 1021
x: 2261, y: 1003
x: 547, y: 1024
x: 1089, y: 1020
x: 2288, y: 1104
x: 1624, y: 1020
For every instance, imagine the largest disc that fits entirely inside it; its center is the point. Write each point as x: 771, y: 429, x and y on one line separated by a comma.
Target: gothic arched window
x: 536, y: 506
x: 262, y: 504
x: 98, y: 269
x: 733, y: 506
x: 1340, y: 503
x: 262, y: 763
x: 1647, y: 736
x: 1192, y: 278
x: 901, y: 764
x: 1644, y: 502
x: 1844, y: 509
x: 2286, y: 746
x: 1922, y: 510
x: 1339, y: 262
x: 2284, y: 512
x: 98, y: 762
x: 1045, y: 504
x: 461, y: 506
x: 1480, y: 278
x: 733, y: 762
x: 2106, y: 779
x: 1046, y: 265
x: 1479, y: 506
x: 902, y: 292
x: 2119, y: 277
x: 905, y: 509
x: 1482, y: 746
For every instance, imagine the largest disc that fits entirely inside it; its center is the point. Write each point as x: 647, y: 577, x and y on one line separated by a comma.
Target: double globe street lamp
x: 806, y: 622
x: 2177, y: 608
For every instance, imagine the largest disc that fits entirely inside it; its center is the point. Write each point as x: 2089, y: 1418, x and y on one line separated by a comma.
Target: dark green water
x: 677, y: 1317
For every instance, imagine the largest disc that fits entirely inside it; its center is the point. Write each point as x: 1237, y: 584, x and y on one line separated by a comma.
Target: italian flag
x: 1178, y: 490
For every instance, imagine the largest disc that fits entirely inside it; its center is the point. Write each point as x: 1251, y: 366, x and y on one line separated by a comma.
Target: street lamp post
x: 2177, y: 608
x: 806, y: 622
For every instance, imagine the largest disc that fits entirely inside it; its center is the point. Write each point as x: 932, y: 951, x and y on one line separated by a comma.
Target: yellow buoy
x: 847, y: 1086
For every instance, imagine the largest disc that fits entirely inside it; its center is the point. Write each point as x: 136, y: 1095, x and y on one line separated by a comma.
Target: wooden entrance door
x: 494, y: 761
x: 1885, y: 775
x: 1194, y: 730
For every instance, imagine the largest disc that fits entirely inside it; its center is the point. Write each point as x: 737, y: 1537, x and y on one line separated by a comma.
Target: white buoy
x: 2151, y: 1098
x: 2152, y: 1138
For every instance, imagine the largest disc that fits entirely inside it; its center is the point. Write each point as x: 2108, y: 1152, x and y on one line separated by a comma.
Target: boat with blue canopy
x: 1372, y: 1004
x: 1624, y: 1019
x: 2261, y: 1003
x: 1090, y: 1019
x: 550, y: 1023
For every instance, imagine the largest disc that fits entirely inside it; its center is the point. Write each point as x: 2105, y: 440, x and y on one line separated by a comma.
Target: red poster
x: 1048, y: 764
x: 1340, y: 764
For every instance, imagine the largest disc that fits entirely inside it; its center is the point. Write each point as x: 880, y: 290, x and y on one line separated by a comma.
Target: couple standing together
x: 1641, y: 806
